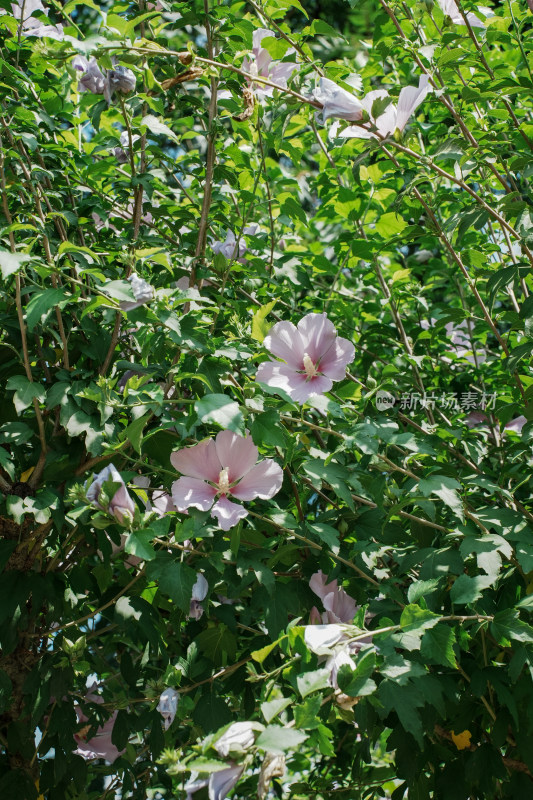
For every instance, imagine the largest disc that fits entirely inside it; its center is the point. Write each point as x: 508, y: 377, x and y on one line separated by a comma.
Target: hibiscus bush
x: 265, y: 430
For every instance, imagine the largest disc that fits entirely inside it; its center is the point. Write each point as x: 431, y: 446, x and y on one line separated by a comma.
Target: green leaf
x: 437, y: 646
x: 218, y: 644
x: 313, y: 681
x: 357, y: 682
x: 174, y: 579
x: 306, y: 714
x: 468, y: 589
x: 154, y: 125
x: 275, y: 739
x: 41, y: 303
x: 445, y: 488
x: 219, y: 409
x: 260, y: 327
x: 404, y: 700
x: 134, y: 432
x: 272, y: 708
x: 326, y: 534
x: 334, y: 474
x: 508, y: 625
x: 10, y: 263
x: 266, y: 429
x: 25, y: 392
x: 390, y: 224
x: 138, y: 544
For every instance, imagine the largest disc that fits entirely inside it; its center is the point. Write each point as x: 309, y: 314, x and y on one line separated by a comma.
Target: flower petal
x: 284, y: 341
x: 318, y: 334
x: 199, y: 461
x: 227, y: 514
x: 333, y: 364
x: 236, y: 453
x: 295, y: 384
x: 264, y: 481
x: 192, y: 493
x: 222, y: 782
x: 304, y: 389
x: 321, y: 638
x: 409, y: 100
x: 318, y: 584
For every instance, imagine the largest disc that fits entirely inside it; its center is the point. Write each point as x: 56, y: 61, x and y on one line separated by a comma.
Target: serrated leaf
x: 468, y: 589
x: 272, y: 708
x: 219, y: 409
x: 275, y: 739
x: 25, y: 392
x: 313, y: 681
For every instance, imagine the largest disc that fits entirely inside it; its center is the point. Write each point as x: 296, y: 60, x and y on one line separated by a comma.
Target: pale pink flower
x: 393, y: 118
x: 100, y: 746
x: 337, y: 102
x: 340, y: 607
x: 199, y: 592
x: 167, y: 706
x: 120, y: 506
x: 262, y: 65
x: 450, y: 8
x: 220, y: 468
x: 314, y: 357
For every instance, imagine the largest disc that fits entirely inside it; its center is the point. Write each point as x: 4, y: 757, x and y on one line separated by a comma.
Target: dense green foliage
x: 241, y: 207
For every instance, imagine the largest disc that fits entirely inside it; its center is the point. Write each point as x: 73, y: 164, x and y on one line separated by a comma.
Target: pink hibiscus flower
x: 220, y: 468
x: 314, y: 357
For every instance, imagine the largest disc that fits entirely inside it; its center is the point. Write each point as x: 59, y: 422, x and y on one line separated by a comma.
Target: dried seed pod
x: 249, y: 103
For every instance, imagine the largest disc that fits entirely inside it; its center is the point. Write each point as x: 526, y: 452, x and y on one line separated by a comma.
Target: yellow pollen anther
x: 223, y: 481
x: 310, y: 369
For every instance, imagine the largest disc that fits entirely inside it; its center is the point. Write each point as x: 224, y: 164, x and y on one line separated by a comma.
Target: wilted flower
x: 222, y: 467
x: 219, y: 783
x: 264, y: 66
x: 340, y: 607
x: 143, y: 292
x: 337, y: 102
x: 100, y: 746
x: 237, y: 738
x: 393, y: 118
x: 92, y: 78
x: 167, y: 706
x: 450, y: 8
x: 119, y: 79
x: 121, y: 506
x: 199, y: 591
x: 315, y: 357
